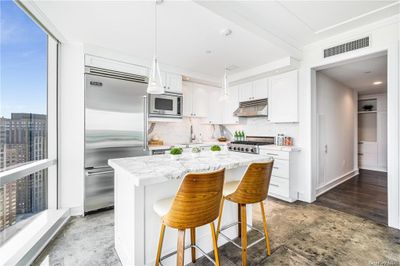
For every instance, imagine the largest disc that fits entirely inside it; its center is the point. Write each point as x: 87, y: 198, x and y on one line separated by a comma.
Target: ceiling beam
x: 223, y: 11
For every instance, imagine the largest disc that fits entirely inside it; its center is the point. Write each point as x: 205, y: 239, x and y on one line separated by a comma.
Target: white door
x: 246, y: 92
x: 260, y: 89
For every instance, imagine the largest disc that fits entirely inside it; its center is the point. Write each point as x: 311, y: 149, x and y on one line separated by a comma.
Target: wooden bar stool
x: 196, y: 203
x: 253, y: 188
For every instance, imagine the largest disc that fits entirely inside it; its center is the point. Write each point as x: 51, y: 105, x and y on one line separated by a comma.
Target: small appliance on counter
x: 251, y: 144
x: 282, y: 140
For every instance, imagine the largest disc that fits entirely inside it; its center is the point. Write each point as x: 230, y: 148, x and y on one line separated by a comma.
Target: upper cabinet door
x: 200, y: 99
x: 187, y: 99
x: 173, y: 83
x: 246, y: 92
x: 283, y: 98
x: 215, y: 108
x: 260, y: 89
x: 231, y: 104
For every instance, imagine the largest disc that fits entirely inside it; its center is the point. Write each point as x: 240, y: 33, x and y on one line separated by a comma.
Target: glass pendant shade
x: 225, y: 95
x: 155, y: 82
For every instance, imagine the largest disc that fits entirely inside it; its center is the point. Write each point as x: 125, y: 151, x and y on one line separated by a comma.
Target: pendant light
x: 225, y: 85
x: 155, y: 82
x: 226, y: 33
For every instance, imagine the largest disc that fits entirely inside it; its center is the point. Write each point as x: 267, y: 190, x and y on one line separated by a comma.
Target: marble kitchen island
x: 141, y: 181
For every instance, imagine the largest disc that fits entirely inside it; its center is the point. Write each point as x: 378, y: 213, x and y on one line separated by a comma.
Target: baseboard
x: 374, y: 169
x: 336, y: 182
x: 76, y: 211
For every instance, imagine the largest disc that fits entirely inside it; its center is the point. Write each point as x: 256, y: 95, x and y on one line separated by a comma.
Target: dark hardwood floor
x: 364, y: 195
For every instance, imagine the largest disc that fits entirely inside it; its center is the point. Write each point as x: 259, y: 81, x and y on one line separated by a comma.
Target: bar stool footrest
x: 186, y: 247
x: 233, y: 242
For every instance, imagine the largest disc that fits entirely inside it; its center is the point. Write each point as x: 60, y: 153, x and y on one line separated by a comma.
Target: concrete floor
x: 300, y: 234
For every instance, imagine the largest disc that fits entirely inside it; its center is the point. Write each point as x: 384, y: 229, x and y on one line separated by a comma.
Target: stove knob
x: 247, y: 149
x: 253, y: 150
x: 229, y: 148
x: 242, y: 149
x: 234, y: 148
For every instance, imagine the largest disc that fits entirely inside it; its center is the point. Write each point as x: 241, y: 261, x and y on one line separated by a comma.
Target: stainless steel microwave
x: 166, y: 105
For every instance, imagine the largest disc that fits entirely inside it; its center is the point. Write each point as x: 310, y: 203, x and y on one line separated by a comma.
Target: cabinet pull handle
x: 274, y: 154
x: 274, y: 185
x: 360, y: 154
x: 275, y: 167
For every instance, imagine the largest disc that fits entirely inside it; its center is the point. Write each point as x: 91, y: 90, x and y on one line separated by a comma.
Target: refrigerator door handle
x: 99, y: 173
x: 145, y: 105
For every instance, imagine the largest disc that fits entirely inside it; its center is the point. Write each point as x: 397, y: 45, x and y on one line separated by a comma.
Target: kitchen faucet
x: 192, y: 135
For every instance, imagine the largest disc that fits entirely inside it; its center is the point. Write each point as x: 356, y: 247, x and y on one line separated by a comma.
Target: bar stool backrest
x: 197, y: 201
x: 254, y: 185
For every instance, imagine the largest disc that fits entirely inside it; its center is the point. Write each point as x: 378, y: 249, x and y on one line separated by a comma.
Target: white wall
x: 384, y: 37
x: 71, y: 127
x: 336, y: 122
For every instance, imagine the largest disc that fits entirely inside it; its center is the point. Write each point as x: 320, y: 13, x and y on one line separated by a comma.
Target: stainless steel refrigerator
x: 115, y: 127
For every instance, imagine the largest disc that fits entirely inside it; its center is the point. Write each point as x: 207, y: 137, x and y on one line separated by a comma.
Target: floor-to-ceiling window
x: 28, y: 123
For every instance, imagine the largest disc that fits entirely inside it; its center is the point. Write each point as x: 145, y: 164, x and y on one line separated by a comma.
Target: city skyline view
x: 23, y: 59
x: 23, y: 116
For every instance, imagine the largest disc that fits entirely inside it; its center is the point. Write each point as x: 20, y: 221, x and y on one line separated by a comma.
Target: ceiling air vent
x: 346, y: 47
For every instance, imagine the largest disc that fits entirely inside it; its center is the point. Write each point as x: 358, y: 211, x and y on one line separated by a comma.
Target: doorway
x: 351, y: 125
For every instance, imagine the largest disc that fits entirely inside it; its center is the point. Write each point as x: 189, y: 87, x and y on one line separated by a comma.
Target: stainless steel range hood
x: 252, y: 108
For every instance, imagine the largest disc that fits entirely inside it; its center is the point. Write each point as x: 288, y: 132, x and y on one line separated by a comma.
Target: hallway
x: 364, y: 195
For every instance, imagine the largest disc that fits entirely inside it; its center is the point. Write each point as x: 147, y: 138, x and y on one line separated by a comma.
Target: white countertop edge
x: 281, y: 148
x: 159, y: 179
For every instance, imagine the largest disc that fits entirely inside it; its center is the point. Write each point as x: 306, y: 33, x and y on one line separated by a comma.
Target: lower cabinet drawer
x: 279, y: 186
x: 280, y: 155
x: 281, y: 168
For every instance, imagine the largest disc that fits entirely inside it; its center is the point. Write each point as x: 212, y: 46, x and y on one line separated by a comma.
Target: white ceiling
x: 355, y: 74
x: 263, y: 31
x: 186, y: 31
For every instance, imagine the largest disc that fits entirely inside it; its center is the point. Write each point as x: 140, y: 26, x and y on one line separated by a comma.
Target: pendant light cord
x: 155, y: 30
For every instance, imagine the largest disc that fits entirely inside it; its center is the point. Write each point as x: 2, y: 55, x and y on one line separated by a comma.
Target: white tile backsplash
x: 176, y: 133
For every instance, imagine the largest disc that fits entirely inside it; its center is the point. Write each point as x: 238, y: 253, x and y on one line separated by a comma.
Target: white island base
x: 137, y: 226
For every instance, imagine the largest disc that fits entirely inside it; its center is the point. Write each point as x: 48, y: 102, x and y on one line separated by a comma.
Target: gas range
x: 251, y: 144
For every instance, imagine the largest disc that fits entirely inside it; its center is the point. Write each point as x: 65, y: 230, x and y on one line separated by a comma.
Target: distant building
x: 23, y: 138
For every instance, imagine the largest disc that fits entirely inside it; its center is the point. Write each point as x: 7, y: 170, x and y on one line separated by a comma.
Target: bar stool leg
x: 160, y: 243
x: 193, y: 242
x: 221, y: 207
x: 244, y: 233
x: 265, y: 228
x: 180, y: 256
x: 214, y: 239
x: 239, y: 219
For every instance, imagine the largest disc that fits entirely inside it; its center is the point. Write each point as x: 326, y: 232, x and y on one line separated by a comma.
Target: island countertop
x: 148, y: 170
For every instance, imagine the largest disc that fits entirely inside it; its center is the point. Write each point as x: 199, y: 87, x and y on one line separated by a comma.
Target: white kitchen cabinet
x: 282, y: 183
x: 195, y: 100
x: 283, y: 98
x: 254, y: 90
x: 246, y: 92
x: 221, y: 111
x: 215, y: 109
x: 229, y: 106
x: 172, y: 82
x: 260, y: 89
x: 200, y: 98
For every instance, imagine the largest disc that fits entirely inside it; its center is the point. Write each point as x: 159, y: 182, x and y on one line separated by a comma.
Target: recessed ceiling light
x: 377, y: 82
x: 226, y: 32
x: 367, y: 72
x: 208, y: 51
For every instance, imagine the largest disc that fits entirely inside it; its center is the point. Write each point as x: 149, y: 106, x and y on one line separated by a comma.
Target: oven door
x: 164, y: 105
